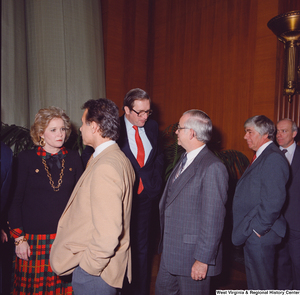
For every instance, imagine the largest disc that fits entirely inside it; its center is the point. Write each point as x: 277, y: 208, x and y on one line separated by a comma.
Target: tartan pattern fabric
x: 17, y: 232
x: 42, y: 153
x: 35, y: 276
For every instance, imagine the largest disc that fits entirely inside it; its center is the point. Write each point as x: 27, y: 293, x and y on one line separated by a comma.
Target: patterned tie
x: 284, y: 151
x: 180, y: 167
x: 140, y: 155
x: 254, y: 157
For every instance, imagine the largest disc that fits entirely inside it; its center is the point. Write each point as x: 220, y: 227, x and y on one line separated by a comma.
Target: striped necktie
x: 180, y: 168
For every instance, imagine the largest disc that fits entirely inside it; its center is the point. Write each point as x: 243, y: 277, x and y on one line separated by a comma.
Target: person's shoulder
x: 5, y: 150
x: 273, y: 150
x: 112, y: 156
x: 27, y: 153
x: 210, y: 155
x: 151, y: 123
x: 272, y: 157
x: 27, y: 157
x: 73, y: 153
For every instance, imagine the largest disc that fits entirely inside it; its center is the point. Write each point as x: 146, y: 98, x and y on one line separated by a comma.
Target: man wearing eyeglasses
x: 139, y: 141
x: 192, y: 212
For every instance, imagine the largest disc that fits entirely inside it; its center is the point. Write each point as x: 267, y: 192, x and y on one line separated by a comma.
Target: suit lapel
x: 251, y: 167
x: 186, y: 175
x: 124, y: 143
x: 150, y: 136
x: 256, y: 162
x: 169, y: 183
x: 296, y: 161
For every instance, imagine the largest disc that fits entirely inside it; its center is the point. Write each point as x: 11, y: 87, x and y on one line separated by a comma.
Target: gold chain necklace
x: 55, y: 188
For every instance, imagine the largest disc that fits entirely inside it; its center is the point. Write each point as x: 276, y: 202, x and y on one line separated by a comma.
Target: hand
x: 4, y: 237
x: 23, y: 249
x: 199, y: 271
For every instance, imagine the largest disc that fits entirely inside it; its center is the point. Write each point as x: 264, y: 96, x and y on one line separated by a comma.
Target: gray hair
x: 262, y: 125
x: 294, y: 126
x: 200, y: 123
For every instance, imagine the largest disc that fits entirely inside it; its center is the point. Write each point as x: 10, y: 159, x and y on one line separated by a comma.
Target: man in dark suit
x: 288, y: 275
x: 139, y: 142
x: 192, y: 211
x: 257, y: 203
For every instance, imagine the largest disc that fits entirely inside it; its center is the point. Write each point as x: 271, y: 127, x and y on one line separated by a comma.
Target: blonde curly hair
x: 42, y: 120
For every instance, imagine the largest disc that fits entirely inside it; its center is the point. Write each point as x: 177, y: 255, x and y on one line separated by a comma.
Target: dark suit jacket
x: 292, y: 207
x: 260, y: 195
x: 152, y: 172
x: 6, y: 174
x: 192, y: 212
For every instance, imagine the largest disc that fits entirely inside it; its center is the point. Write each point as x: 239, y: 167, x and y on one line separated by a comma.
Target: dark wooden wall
x: 215, y: 55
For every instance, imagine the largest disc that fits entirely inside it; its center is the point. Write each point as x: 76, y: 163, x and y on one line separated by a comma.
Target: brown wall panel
x: 215, y: 55
x: 125, y: 26
x: 218, y: 56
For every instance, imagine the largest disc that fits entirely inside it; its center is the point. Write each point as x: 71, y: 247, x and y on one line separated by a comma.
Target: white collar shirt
x: 131, y: 139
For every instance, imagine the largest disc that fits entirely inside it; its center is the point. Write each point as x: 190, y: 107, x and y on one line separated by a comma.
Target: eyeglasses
x: 142, y: 113
x: 179, y: 128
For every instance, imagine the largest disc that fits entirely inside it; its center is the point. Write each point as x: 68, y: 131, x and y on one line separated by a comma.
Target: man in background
x: 288, y: 270
x: 257, y: 203
x: 92, y: 238
x: 139, y: 141
x: 192, y: 212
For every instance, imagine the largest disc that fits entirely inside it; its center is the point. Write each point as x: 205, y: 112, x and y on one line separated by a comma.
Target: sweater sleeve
x: 15, y: 212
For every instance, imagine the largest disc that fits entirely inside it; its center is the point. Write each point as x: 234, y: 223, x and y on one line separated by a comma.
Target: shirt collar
x: 262, y: 148
x: 129, y: 126
x: 290, y: 149
x: 193, y: 154
x: 100, y: 148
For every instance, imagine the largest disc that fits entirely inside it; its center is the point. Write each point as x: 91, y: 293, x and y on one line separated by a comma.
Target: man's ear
x: 94, y: 127
x: 192, y: 134
x: 294, y: 134
x: 127, y: 110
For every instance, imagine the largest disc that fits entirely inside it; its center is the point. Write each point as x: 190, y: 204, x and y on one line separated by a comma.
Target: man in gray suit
x: 257, y: 203
x: 288, y: 275
x: 192, y: 211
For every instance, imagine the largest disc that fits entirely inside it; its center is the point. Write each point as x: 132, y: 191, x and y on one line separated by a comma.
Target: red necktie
x: 140, y: 155
x: 254, y: 157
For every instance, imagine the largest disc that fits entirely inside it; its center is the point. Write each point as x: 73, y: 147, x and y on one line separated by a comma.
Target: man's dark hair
x: 134, y: 94
x: 106, y: 114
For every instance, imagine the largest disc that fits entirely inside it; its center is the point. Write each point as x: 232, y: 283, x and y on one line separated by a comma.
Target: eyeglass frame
x: 180, y: 128
x: 141, y: 113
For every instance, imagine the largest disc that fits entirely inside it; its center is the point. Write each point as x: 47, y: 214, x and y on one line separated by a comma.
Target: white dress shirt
x: 131, y: 139
x: 100, y: 148
x: 191, y: 156
x: 290, y: 152
x: 262, y: 148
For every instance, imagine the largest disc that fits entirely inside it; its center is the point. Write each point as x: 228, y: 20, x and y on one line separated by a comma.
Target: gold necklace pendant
x: 55, y: 188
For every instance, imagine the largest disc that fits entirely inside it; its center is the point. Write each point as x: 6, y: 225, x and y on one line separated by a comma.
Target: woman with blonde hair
x: 46, y: 176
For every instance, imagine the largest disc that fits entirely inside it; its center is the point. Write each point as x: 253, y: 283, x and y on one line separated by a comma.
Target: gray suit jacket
x: 192, y: 212
x: 292, y: 206
x: 259, y: 196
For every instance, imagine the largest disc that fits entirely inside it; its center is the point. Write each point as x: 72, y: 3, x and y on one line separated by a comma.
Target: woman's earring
x: 42, y: 142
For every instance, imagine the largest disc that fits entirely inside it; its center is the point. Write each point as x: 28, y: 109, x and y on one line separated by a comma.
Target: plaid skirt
x: 35, y: 276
